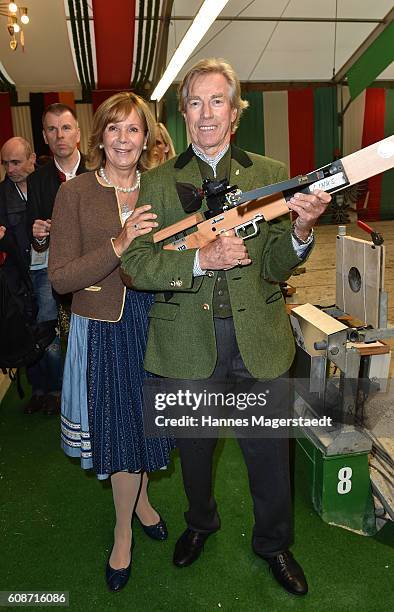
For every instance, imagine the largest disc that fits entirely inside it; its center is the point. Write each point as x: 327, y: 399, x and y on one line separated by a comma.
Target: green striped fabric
x: 325, y: 125
x: 325, y: 132
x: 250, y: 134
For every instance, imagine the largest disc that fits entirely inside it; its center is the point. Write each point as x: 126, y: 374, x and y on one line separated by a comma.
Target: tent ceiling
x: 284, y: 51
x: 46, y: 64
x: 259, y: 50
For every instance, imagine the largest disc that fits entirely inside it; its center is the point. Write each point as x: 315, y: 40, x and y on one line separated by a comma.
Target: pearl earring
x: 144, y: 147
x: 101, y: 146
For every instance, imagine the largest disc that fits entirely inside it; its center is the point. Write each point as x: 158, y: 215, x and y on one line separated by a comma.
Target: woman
x: 93, y: 223
x: 164, y: 148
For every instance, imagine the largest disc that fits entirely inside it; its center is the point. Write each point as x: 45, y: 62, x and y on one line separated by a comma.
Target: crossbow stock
x: 231, y: 209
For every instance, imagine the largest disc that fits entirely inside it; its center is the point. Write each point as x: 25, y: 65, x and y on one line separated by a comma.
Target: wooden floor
x: 317, y: 285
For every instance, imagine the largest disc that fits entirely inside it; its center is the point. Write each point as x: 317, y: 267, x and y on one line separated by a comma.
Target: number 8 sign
x: 344, y: 480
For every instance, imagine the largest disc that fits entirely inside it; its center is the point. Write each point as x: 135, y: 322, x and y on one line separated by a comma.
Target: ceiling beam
x: 267, y: 19
x: 340, y: 75
x: 283, y: 19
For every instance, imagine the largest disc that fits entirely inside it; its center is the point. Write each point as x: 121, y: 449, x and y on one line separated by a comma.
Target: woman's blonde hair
x: 167, y: 140
x: 208, y: 66
x: 114, y: 109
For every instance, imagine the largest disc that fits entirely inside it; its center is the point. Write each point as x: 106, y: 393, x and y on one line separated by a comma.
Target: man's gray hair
x: 210, y: 66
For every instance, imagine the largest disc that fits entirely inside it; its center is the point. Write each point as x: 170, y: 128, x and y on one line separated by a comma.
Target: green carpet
x: 56, y: 532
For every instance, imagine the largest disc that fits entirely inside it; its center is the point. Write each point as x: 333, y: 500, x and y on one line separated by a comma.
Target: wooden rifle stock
x: 339, y: 175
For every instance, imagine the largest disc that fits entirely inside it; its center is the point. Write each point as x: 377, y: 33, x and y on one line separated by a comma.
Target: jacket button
x: 179, y: 283
x: 172, y: 283
x: 205, y: 306
x: 210, y: 273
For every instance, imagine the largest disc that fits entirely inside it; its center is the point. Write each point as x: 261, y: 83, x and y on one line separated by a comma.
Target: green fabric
x: 250, y: 133
x: 221, y: 297
x: 325, y: 125
x: 372, y: 63
x: 181, y: 341
x: 326, y: 140
x: 387, y: 197
x: 175, y: 122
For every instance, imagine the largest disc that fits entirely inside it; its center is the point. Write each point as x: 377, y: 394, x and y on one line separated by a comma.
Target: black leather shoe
x: 288, y: 573
x: 117, y: 578
x: 156, y: 532
x: 52, y: 404
x: 35, y: 403
x: 189, y: 546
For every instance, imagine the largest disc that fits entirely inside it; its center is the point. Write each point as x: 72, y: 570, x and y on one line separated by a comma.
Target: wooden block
x: 371, y: 348
x: 314, y: 326
x: 319, y: 319
x: 359, y: 278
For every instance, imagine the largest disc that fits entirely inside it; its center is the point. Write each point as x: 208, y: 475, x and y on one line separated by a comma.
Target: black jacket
x: 42, y: 187
x: 16, y: 242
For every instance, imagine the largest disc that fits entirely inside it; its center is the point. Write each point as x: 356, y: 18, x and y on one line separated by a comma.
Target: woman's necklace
x: 124, y: 207
x: 117, y: 187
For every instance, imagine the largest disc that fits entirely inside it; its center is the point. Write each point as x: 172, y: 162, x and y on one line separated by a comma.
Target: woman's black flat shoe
x: 117, y: 578
x: 156, y: 532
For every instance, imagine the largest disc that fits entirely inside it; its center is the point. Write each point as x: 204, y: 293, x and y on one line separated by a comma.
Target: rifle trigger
x: 243, y: 228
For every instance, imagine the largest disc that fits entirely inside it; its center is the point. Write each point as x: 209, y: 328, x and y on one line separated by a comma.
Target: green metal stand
x: 340, y: 487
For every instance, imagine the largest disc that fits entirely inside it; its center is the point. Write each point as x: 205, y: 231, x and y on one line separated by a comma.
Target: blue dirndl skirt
x: 102, y: 399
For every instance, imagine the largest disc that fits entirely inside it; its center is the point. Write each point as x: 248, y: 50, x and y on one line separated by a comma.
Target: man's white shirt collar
x: 211, y: 161
x: 72, y: 174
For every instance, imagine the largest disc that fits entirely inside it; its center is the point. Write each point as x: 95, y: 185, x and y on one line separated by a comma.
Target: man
x: 18, y: 160
x: 62, y: 135
x: 218, y: 309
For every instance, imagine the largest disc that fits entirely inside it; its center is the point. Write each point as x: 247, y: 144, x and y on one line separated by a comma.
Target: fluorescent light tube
x: 205, y: 17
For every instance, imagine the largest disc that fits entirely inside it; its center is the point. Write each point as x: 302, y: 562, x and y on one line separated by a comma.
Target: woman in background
x: 164, y: 148
x: 93, y: 223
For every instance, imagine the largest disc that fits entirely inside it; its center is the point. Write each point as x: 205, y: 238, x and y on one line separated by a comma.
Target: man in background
x: 18, y: 160
x: 61, y: 133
